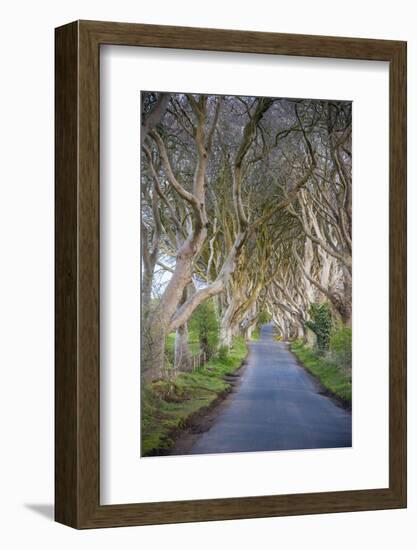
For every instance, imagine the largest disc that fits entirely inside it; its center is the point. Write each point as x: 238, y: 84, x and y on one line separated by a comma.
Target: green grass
x: 168, y: 405
x: 334, y: 378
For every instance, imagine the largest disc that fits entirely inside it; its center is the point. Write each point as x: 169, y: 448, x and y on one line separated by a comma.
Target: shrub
x: 321, y: 324
x: 223, y: 353
x: 205, y: 324
x: 340, y: 347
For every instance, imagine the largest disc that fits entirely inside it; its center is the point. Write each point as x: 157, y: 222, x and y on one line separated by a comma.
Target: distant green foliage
x: 264, y: 317
x: 256, y: 334
x: 321, y: 324
x: 340, y: 347
x: 205, y: 324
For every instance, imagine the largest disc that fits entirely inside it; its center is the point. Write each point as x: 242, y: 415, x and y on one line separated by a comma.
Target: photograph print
x: 246, y: 274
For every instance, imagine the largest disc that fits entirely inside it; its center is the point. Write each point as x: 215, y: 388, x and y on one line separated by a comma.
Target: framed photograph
x: 230, y: 274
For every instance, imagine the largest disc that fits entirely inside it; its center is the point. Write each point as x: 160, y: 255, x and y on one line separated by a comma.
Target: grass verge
x: 168, y: 405
x: 336, y: 380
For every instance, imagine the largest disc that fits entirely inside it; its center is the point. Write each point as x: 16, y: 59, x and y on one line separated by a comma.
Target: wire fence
x: 191, y: 364
x: 199, y: 360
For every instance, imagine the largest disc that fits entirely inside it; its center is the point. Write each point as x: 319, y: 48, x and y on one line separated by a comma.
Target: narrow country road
x: 276, y: 406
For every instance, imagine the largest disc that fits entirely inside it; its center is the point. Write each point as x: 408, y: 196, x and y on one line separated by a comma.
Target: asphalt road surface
x: 276, y: 406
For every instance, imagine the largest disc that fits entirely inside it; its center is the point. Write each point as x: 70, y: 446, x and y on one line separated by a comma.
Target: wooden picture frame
x: 77, y: 382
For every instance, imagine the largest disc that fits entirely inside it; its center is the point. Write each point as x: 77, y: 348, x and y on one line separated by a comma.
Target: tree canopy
x: 246, y: 202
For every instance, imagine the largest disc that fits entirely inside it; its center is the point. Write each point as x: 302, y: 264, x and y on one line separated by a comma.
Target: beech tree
x: 245, y: 201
